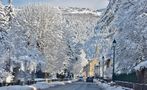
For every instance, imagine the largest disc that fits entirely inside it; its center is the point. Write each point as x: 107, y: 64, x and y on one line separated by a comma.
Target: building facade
x: 89, y: 69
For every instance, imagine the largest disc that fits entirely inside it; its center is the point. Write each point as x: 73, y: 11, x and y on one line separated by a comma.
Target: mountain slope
x: 126, y: 22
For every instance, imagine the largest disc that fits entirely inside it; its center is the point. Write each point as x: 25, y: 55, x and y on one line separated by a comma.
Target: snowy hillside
x: 126, y: 22
x: 74, y: 10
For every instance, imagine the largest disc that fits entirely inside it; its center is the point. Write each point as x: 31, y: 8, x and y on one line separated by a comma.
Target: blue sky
x: 93, y: 4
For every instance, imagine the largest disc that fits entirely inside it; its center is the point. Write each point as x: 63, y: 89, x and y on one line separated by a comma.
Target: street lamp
x: 103, y: 67
x: 25, y: 72
x: 96, y: 70
x: 113, y: 72
x: 99, y: 69
x: 8, y: 62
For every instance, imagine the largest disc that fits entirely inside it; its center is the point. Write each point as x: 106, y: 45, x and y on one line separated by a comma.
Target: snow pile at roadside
x: 37, y: 86
x: 108, y: 87
x: 16, y: 88
x: 70, y: 81
x: 45, y: 85
x: 52, y: 84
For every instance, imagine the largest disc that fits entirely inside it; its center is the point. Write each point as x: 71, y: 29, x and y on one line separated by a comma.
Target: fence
x: 130, y: 81
x: 131, y: 77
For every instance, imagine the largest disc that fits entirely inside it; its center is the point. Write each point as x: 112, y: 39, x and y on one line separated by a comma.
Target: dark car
x: 89, y: 79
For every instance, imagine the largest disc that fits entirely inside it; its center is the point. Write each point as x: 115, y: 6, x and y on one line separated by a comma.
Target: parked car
x: 89, y: 79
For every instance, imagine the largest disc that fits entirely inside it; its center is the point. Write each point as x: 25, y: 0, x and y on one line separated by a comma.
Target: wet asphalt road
x: 78, y: 86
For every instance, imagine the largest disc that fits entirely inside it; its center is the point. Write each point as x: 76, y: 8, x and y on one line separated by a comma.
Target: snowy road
x: 78, y: 86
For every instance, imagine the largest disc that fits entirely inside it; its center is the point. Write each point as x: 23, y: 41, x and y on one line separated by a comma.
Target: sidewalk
x: 108, y: 86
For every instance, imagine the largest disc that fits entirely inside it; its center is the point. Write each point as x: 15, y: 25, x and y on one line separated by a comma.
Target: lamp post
x: 99, y: 70
x: 65, y: 70
x: 8, y: 62
x: 103, y: 67
x: 96, y: 70
x: 25, y: 72
x: 113, y: 72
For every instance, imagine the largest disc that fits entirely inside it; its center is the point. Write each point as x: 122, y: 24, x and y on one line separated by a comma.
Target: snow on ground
x: 70, y: 81
x: 37, y: 86
x: 108, y: 87
x: 45, y: 85
x: 16, y: 88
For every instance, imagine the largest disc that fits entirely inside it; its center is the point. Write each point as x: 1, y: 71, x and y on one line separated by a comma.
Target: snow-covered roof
x: 141, y: 66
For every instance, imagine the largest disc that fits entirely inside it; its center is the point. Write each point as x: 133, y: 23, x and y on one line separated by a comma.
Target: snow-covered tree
x: 4, y: 45
x: 51, y: 36
x: 58, y: 34
x: 40, y: 27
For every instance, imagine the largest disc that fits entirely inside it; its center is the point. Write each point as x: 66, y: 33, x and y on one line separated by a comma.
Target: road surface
x: 78, y: 86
